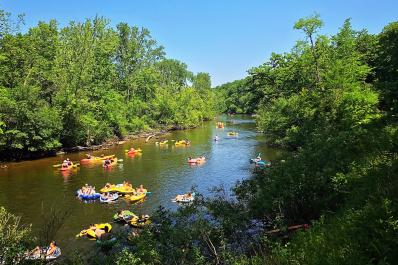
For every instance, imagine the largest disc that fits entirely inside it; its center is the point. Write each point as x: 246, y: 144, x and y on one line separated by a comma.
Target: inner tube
x: 87, y: 197
x: 113, y: 162
x: 42, y: 256
x: 127, y: 215
x: 261, y: 163
x: 114, y: 197
x: 64, y: 168
x: 135, y: 151
x: 90, y: 234
x: 120, y: 188
x: 186, y: 200
x: 137, y: 196
x: 140, y: 223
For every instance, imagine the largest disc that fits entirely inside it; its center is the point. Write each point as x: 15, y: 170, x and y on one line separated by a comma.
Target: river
x: 30, y: 188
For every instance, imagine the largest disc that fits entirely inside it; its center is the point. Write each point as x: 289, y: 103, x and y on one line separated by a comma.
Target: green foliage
x: 30, y: 124
x: 87, y: 82
x: 126, y: 257
x: 325, y: 101
x: 201, y: 81
x: 239, y: 97
x: 14, y: 238
x: 387, y: 67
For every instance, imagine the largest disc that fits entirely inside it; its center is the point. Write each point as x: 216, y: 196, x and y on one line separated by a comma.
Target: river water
x: 30, y: 188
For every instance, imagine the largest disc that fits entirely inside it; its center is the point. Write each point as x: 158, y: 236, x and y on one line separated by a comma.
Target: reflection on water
x: 31, y: 187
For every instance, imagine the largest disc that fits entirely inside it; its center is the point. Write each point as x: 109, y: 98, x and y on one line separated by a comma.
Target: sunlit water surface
x: 31, y: 187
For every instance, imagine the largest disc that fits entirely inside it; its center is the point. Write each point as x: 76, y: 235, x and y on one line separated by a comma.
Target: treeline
x: 86, y: 82
x: 239, y: 97
x: 332, y: 100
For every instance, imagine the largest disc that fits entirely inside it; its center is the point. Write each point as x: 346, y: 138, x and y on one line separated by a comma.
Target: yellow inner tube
x: 91, y: 233
x: 138, y: 150
x: 120, y: 189
x: 134, y: 222
x: 137, y: 196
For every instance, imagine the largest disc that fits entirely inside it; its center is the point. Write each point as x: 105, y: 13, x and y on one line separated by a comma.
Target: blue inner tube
x: 82, y: 196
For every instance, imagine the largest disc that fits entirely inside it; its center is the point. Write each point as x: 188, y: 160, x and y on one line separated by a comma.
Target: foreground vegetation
x: 87, y: 82
x: 332, y: 101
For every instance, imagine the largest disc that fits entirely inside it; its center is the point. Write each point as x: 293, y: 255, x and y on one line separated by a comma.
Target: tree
x: 310, y: 26
x: 387, y: 67
x: 201, y: 81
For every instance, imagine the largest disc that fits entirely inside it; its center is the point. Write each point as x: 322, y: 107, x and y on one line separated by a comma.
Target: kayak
x: 118, y: 188
x: 140, y: 223
x: 186, y: 200
x: 56, y: 166
x: 43, y: 256
x: 113, y: 198
x: 87, y: 197
x: 127, y: 215
x: 137, y: 196
x: 95, y: 159
x: 90, y: 234
x: 232, y: 134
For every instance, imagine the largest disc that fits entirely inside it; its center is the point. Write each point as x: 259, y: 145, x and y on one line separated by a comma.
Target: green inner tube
x: 126, y: 214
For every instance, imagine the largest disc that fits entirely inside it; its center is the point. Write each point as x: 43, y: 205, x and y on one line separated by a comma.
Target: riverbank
x: 110, y: 142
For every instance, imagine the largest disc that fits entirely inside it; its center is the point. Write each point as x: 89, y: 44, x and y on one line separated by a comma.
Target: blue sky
x: 221, y: 37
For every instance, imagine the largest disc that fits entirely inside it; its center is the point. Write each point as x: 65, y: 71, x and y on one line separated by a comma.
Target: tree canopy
x: 86, y: 82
